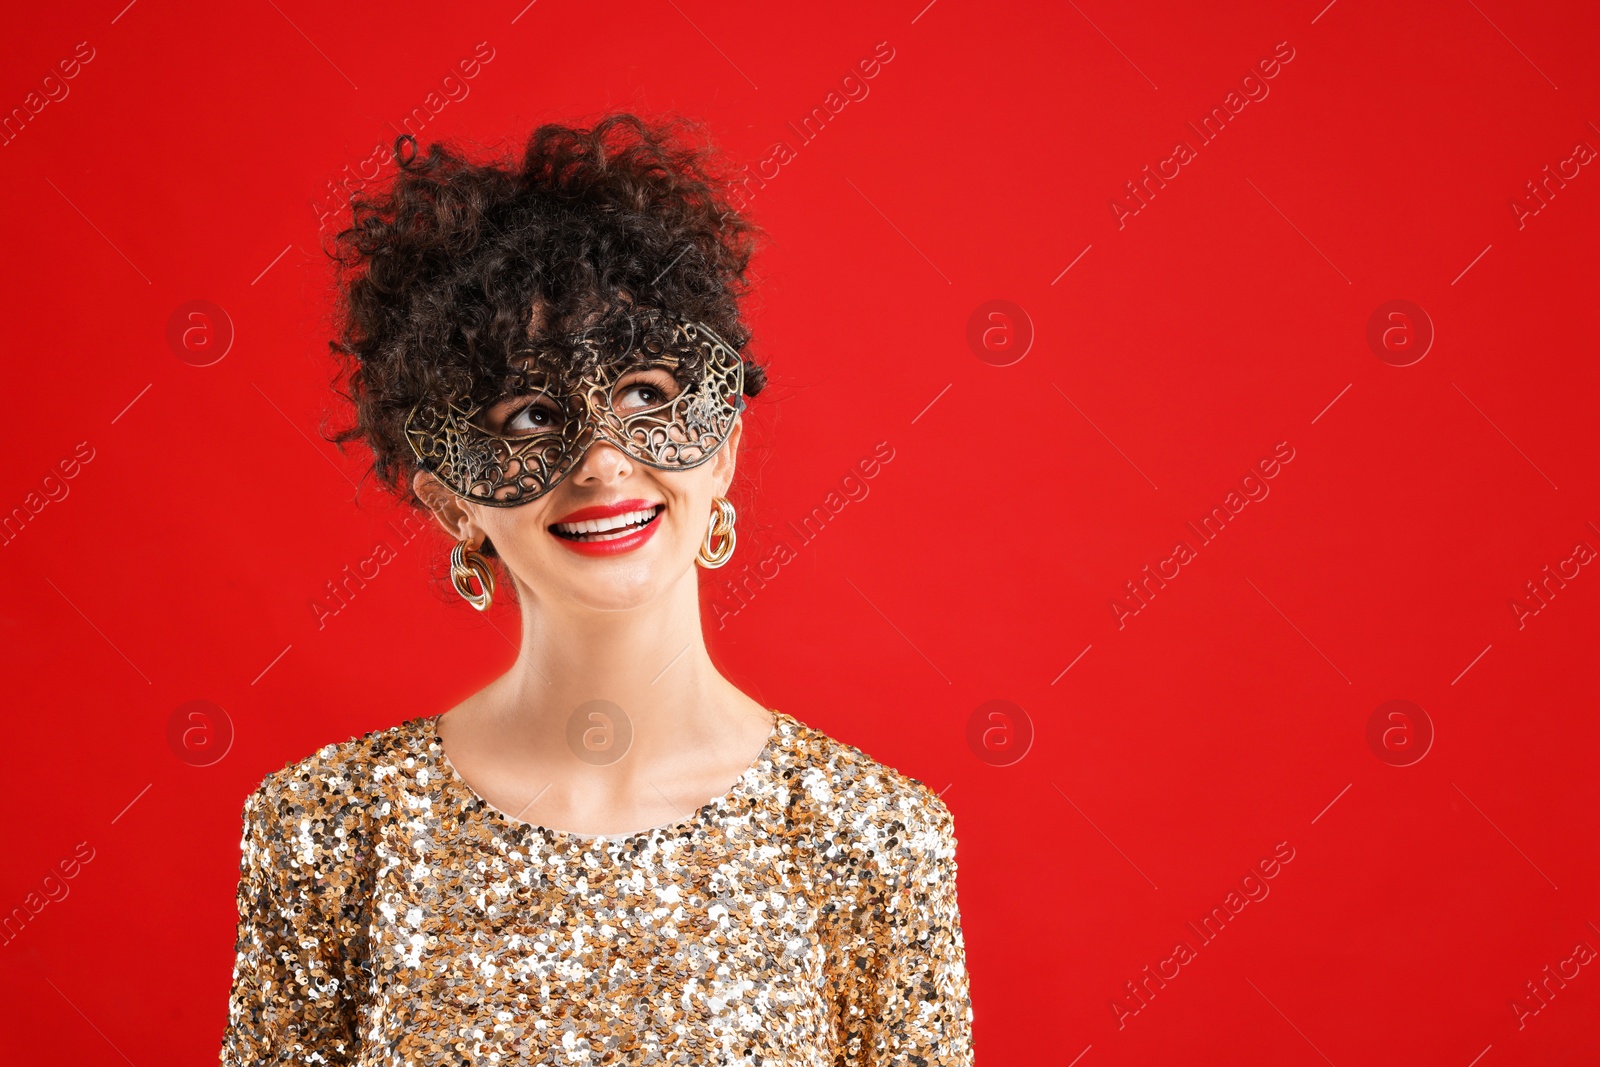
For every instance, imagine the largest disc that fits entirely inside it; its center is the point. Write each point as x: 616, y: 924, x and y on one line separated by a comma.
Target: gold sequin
x: 390, y: 916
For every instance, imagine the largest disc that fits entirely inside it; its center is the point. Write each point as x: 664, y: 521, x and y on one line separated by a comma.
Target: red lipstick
x: 605, y: 511
x: 613, y: 541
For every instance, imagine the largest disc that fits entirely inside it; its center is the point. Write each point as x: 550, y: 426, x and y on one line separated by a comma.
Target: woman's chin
x: 616, y: 585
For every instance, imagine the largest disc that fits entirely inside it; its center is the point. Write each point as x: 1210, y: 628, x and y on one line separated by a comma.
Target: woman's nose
x: 603, y: 461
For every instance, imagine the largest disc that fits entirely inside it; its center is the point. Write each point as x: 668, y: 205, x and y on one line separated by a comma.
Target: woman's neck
x: 612, y: 717
x: 649, y: 659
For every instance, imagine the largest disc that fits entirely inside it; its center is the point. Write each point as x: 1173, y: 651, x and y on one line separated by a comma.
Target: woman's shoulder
x: 341, y: 779
x: 857, y: 795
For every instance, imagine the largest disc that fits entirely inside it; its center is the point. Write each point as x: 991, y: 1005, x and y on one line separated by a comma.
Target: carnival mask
x: 663, y: 389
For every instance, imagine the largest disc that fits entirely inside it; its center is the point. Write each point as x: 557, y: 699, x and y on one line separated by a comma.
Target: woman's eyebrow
x: 521, y: 383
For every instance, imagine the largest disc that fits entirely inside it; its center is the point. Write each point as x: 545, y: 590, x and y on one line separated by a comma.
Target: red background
x: 1228, y: 315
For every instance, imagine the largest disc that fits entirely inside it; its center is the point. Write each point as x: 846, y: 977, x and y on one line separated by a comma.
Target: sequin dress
x: 388, y: 915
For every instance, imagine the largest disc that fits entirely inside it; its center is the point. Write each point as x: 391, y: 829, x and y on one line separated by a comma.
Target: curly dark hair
x: 441, y: 272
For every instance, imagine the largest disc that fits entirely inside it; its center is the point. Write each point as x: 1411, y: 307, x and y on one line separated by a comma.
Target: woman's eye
x: 648, y: 392
x: 532, y: 419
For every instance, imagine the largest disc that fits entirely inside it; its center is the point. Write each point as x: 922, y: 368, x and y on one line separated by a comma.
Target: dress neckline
x: 725, y: 804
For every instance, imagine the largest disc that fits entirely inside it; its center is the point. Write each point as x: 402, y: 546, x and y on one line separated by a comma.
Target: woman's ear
x: 446, y: 507
x: 727, y: 457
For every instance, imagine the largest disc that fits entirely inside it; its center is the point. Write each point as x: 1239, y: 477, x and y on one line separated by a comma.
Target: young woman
x: 609, y: 854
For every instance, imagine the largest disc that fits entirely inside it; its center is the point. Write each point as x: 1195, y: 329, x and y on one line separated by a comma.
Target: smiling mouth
x: 609, y: 528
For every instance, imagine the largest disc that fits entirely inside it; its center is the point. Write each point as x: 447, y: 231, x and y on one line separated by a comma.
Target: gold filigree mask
x: 663, y: 389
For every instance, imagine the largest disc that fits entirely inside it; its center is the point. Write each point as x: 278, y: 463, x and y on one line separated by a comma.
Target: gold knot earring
x: 721, y: 526
x: 465, y: 565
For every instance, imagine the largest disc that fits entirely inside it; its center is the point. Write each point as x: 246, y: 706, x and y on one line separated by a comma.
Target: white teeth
x: 609, y: 523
